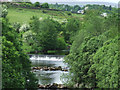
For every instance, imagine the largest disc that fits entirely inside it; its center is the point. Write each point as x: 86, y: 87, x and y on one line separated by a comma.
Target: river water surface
x: 48, y: 77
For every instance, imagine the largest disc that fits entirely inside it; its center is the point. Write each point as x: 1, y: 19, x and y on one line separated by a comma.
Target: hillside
x: 23, y: 15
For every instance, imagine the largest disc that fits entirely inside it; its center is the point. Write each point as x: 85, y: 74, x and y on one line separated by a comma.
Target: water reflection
x: 49, y: 77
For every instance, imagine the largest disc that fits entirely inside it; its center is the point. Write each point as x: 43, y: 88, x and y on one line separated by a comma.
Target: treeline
x: 93, y: 58
x: 76, y: 8
x: 44, y: 35
x: 16, y: 66
x: 63, y: 7
x: 27, y: 4
x: 102, y: 8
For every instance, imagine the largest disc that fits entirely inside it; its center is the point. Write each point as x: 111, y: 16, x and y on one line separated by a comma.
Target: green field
x: 23, y: 15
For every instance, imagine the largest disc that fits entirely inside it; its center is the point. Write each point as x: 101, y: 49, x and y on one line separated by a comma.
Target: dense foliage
x: 75, y: 8
x: 71, y: 28
x: 93, y: 41
x: 47, y: 34
x: 16, y: 67
x: 27, y: 4
x: 64, y: 7
x: 37, y: 4
x: 93, y: 58
x: 45, y: 5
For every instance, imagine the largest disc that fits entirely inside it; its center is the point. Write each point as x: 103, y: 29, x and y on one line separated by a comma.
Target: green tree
x: 79, y: 60
x: 37, y: 4
x: 110, y: 7
x: 33, y: 34
x: 106, y: 65
x: 48, y: 35
x: 91, y: 52
x: 12, y: 68
x: 72, y: 26
x: 61, y: 44
x: 3, y: 9
x: 16, y: 69
x: 76, y: 8
x: 34, y: 23
x: 45, y: 5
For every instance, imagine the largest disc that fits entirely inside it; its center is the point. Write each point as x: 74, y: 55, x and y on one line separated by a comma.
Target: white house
x: 86, y: 8
x: 104, y: 14
x: 80, y: 11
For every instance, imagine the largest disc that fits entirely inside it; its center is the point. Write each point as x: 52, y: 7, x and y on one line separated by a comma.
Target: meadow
x: 23, y: 15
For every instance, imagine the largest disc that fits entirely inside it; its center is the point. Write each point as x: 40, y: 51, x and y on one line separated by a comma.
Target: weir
x: 48, y: 77
x: 47, y: 57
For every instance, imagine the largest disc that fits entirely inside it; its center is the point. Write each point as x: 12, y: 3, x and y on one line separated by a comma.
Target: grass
x: 23, y: 15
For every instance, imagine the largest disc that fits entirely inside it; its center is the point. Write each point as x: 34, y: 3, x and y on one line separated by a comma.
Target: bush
x: 106, y: 65
x: 4, y: 13
x: 69, y: 13
x: 36, y: 4
x: 45, y: 5
x: 24, y: 28
x: 61, y: 44
x: 16, y: 68
x: 93, y: 58
x: 43, y: 11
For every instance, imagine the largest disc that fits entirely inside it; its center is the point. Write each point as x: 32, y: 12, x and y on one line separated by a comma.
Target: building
x: 80, y: 11
x: 86, y: 8
x: 104, y: 14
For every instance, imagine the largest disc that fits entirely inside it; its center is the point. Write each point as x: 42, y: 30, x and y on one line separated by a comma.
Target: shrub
x: 36, y: 4
x: 69, y: 13
x: 61, y: 44
x: 45, y: 5
x: 43, y: 11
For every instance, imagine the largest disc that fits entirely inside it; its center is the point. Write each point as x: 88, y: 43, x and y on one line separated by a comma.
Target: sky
x: 113, y: 1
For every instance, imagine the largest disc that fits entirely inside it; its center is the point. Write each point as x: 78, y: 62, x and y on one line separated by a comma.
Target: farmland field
x: 23, y: 15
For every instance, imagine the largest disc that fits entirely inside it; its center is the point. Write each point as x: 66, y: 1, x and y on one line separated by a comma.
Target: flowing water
x: 48, y: 77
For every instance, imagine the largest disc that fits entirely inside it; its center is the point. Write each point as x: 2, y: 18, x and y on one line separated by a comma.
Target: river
x: 48, y: 77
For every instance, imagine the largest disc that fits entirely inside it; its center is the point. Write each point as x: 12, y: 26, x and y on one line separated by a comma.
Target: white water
x: 47, y: 57
x: 48, y: 77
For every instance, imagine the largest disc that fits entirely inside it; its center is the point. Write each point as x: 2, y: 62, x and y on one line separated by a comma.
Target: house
x: 86, y: 8
x: 80, y: 11
x: 104, y: 14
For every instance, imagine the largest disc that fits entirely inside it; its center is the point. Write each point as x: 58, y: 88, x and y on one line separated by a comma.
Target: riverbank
x: 51, y: 52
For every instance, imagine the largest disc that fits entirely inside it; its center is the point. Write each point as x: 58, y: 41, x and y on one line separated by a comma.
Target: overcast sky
x: 113, y: 1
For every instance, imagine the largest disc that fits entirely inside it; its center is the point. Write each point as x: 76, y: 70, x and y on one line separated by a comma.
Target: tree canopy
x: 93, y: 58
x: 16, y: 66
